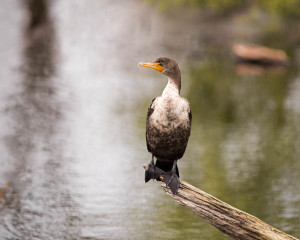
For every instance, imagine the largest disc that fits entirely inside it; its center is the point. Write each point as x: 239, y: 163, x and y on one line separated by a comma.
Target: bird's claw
x: 153, y: 172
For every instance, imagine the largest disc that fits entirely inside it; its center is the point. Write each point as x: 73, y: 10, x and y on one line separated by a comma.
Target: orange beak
x: 154, y: 65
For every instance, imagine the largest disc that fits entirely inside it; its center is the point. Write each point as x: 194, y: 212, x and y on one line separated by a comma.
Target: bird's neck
x: 173, y: 87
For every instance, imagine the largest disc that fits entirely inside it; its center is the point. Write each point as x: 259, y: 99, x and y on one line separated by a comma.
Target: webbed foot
x: 172, y: 181
x: 152, y: 172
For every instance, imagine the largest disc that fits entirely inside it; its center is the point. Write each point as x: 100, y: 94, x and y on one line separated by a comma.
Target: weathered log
x: 228, y: 219
x: 259, y: 54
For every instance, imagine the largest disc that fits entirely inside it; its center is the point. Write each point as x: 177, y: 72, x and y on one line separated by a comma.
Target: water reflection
x: 254, y: 69
x: 249, y: 137
x: 75, y: 141
x: 37, y: 204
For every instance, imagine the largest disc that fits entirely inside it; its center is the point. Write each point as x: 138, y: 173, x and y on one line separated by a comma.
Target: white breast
x: 170, y: 111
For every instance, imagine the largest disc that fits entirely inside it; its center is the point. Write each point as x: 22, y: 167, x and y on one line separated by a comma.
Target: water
x: 73, y: 121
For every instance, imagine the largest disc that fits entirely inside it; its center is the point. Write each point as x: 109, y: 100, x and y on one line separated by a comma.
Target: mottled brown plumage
x: 166, y: 142
x: 168, y: 124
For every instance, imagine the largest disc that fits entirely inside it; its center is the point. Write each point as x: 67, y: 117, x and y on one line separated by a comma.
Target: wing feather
x: 149, y: 113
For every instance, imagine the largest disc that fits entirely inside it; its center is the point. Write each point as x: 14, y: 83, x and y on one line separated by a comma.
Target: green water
x: 73, y: 117
x: 244, y: 147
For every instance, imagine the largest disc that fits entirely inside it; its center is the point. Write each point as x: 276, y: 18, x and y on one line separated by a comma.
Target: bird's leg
x: 152, y: 172
x: 171, y: 179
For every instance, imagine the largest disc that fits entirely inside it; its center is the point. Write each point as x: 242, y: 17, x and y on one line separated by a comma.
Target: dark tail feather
x: 166, y: 166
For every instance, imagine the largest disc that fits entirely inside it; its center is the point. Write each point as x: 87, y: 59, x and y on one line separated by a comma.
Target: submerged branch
x: 230, y: 220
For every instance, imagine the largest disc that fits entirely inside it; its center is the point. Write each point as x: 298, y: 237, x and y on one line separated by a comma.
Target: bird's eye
x: 160, y: 64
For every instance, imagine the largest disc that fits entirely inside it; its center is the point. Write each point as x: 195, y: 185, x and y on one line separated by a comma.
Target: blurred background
x: 74, y: 102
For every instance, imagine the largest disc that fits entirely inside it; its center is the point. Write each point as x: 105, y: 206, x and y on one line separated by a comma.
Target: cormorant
x: 168, y: 126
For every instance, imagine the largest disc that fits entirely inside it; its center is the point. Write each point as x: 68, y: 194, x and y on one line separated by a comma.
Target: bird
x: 168, y: 126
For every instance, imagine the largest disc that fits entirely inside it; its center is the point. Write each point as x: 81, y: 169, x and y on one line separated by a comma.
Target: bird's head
x: 165, y: 65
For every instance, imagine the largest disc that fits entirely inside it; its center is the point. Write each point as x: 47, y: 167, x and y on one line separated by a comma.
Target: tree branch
x: 230, y: 220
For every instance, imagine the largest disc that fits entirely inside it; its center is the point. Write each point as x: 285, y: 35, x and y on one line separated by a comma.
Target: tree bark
x: 228, y: 219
